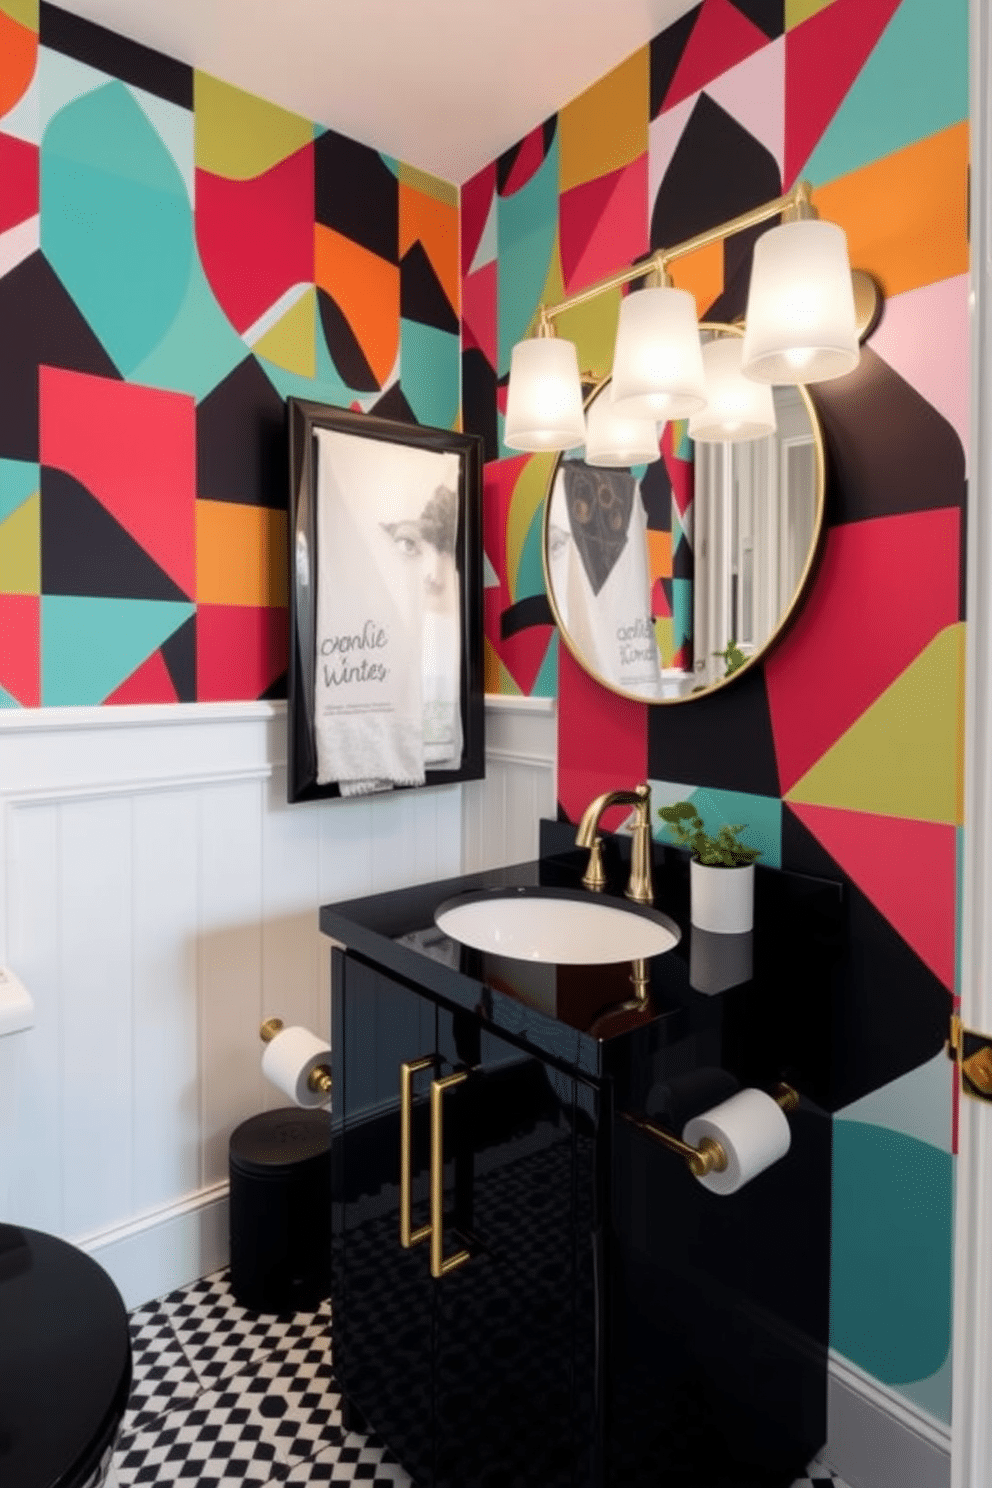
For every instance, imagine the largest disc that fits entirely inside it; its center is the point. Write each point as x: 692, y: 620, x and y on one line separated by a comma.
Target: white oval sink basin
x: 576, y: 930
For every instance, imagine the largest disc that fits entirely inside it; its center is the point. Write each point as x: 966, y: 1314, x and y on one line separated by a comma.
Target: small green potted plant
x: 721, y: 871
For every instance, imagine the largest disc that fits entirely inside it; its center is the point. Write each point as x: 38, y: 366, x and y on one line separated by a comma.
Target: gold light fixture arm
x: 795, y: 205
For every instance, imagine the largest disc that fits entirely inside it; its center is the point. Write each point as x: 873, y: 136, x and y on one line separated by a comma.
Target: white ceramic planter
x: 721, y: 899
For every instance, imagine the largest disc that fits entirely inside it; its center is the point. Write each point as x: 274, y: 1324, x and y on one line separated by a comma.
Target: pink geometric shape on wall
x: 19, y: 175
x: 256, y: 236
x: 908, y: 869
x: 240, y: 651
x: 20, y: 648
x: 664, y: 134
x: 602, y: 223
x: 476, y: 200
x: 522, y: 653
x: 681, y: 473
x: 924, y: 336
x: 721, y: 38
x: 602, y: 741
x: 753, y: 93
x: 528, y: 161
x: 823, y: 56
x: 134, y: 449
x: 479, y: 312
x: 885, y: 588
x: 151, y: 683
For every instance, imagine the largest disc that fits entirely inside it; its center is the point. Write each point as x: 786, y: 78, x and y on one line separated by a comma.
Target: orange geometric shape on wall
x: 20, y: 653
x: 603, y: 224
x: 701, y: 273
x: 240, y: 554
x: 906, y: 215
x: 150, y: 683
x: 721, y: 38
x: 823, y: 56
x: 18, y: 57
x: 660, y: 556
x: 908, y: 869
x: 606, y: 127
x: 240, y: 651
x: 885, y: 588
x: 366, y: 289
x: 434, y: 224
x: 134, y: 449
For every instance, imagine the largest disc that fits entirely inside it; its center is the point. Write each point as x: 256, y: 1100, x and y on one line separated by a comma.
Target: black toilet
x: 65, y: 1363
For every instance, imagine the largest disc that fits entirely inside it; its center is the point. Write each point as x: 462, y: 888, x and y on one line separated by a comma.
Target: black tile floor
x: 222, y: 1396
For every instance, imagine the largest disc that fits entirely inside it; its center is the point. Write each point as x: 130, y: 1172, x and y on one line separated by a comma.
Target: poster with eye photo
x: 386, y: 676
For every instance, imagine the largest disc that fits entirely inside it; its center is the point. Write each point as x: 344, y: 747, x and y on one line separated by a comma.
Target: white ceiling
x: 445, y: 85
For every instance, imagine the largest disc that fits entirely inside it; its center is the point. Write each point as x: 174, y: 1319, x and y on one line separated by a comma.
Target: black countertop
x: 732, y: 998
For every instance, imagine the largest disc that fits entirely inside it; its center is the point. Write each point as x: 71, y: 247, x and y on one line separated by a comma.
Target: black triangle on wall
x: 342, y: 343
x: 41, y: 327
x: 666, y: 54
x: 85, y: 552
x: 479, y: 400
x: 179, y: 655
x: 356, y: 193
x: 421, y: 297
x: 767, y: 15
x: 722, y: 739
x: 241, y: 452
x: 393, y: 405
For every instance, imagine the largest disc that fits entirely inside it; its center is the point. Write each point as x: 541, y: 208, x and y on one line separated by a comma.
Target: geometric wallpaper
x: 176, y: 258
x: 844, y: 751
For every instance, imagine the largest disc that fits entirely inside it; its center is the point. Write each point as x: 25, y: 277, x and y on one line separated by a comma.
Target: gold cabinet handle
x: 408, y: 1235
x: 439, y: 1266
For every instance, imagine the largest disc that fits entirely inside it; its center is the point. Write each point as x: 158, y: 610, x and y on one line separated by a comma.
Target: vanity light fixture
x: 800, y: 328
x: 736, y: 408
x: 617, y: 439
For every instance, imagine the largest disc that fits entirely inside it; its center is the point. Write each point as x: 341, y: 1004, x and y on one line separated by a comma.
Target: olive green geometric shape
x: 292, y: 341
x: 905, y: 755
x: 238, y: 135
x: 528, y: 496
x: 24, y: 11
x: 20, y: 549
x: 428, y: 185
x: 797, y: 11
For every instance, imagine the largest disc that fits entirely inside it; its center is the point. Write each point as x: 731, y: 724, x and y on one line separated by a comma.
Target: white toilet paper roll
x: 753, y: 1131
x: 289, y: 1060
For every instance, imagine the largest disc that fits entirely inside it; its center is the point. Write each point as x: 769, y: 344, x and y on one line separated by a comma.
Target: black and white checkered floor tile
x: 222, y: 1397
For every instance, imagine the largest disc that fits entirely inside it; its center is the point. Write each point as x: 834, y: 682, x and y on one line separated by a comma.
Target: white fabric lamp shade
x: 544, y: 398
x: 736, y: 408
x: 614, y: 438
x: 658, y: 362
x: 800, y: 308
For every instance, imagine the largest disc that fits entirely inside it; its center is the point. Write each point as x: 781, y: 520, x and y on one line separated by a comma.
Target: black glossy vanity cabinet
x: 600, y: 1317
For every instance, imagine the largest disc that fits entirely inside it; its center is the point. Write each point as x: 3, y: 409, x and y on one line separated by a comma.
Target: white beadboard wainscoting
x: 159, y: 898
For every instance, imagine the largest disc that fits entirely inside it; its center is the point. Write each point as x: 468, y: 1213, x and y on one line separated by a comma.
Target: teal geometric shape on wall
x: 762, y: 815
x: 116, y: 224
x: 430, y: 373
x: 681, y: 610
x: 918, y: 1104
x: 89, y: 646
x: 198, y: 349
x: 546, y: 681
x: 61, y: 80
x: 6, y: 701
x: 890, y: 1288
x: 934, y: 1392
x: 19, y: 479
x: 526, y: 225
x: 174, y: 126
x: 914, y: 84
x: 530, y: 574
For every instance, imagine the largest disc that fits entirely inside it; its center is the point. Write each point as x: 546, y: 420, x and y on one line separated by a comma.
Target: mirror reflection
x: 669, y: 577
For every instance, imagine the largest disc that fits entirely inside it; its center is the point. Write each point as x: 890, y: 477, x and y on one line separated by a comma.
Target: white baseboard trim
x: 876, y: 1438
x: 165, y: 1248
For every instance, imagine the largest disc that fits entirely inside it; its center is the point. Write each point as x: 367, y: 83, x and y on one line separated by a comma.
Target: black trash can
x: 280, y: 1210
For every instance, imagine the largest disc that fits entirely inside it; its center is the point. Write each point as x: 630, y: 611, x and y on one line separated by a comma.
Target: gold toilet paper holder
x: 319, y: 1079
x: 709, y: 1156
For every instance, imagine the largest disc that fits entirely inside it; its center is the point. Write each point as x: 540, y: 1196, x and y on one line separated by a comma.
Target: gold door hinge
x: 972, y: 1052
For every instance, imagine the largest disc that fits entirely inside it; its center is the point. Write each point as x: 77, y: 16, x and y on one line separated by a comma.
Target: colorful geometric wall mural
x: 845, y: 750
x: 176, y: 258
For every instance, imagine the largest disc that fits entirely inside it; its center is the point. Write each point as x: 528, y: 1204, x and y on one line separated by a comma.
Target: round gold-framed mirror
x: 668, y: 580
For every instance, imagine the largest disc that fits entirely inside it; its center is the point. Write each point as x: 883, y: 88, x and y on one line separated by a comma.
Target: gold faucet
x: 639, y: 888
